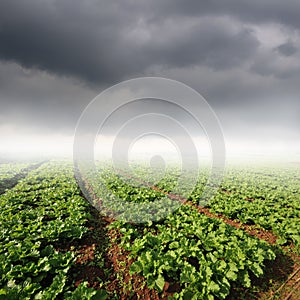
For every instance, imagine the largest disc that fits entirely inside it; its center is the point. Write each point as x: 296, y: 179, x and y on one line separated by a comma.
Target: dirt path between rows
x: 120, y: 281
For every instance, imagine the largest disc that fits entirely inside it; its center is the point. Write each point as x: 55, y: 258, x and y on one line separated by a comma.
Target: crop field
x: 55, y: 244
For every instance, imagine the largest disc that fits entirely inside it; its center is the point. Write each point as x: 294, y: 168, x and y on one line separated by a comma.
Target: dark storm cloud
x: 57, y: 37
x: 287, y: 49
x: 255, y: 11
x: 109, y: 41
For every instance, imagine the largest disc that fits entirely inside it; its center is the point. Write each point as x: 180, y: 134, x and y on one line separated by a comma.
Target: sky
x: 242, y: 57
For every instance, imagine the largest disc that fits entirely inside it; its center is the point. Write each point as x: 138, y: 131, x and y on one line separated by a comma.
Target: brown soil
x: 250, y: 229
x: 129, y: 286
x: 119, y: 281
x: 87, y: 267
x: 110, y: 275
x: 260, y: 233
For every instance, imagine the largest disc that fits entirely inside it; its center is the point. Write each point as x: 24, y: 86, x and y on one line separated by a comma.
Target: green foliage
x: 42, y: 212
x: 83, y: 292
x: 204, y: 255
x: 268, y: 198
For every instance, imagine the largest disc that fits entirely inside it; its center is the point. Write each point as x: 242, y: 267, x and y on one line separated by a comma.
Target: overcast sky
x: 244, y: 58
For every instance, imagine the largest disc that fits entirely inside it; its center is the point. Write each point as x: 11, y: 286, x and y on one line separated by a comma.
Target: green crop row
x: 119, y: 199
x: 38, y: 217
x: 8, y: 171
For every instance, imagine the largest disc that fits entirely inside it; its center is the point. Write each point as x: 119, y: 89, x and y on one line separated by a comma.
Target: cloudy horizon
x: 243, y: 58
